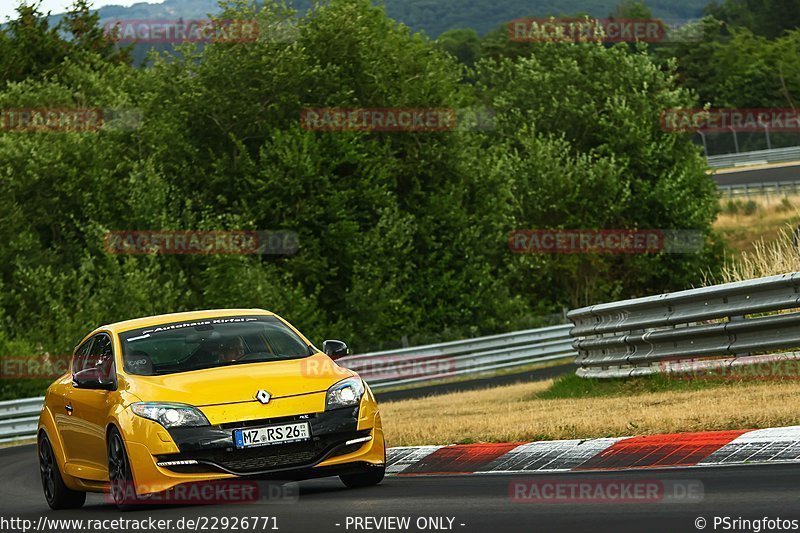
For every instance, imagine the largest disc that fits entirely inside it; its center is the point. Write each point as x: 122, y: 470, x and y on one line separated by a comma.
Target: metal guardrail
x: 408, y: 366
x: 19, y: 418
x: 746, y: 189
x: 435, y: 362
x: 725, y: 322
x: 775, y: 155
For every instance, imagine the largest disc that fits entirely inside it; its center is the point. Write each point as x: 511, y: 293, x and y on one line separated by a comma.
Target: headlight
x: 346, y: 393
x: 170, y: 415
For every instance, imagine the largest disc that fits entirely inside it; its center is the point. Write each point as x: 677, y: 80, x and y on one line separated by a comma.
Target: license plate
x: 277, y: 434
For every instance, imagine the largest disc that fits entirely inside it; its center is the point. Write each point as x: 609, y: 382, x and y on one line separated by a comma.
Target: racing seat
x: 139, y: 363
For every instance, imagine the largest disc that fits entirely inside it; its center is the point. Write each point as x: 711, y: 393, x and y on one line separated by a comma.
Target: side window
x: 79, y: 359
x: 101, y: 355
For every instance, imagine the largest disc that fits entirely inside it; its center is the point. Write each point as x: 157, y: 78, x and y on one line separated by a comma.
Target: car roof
x: 144, y: 322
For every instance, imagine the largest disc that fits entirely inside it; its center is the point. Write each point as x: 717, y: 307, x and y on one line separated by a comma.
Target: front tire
x: 371, y: 477
x: 120, y: 476
x: 57, y: 494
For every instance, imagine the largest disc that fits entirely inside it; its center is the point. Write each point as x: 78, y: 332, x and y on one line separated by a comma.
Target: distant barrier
x: 421, y: 365
x: 765, y: 188
x: 775, y: 155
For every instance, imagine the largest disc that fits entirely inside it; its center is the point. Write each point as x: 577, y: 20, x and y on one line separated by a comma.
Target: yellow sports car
x: 157, y: 402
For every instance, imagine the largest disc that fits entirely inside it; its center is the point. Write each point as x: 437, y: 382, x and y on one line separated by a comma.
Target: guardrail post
x: 705, y: 144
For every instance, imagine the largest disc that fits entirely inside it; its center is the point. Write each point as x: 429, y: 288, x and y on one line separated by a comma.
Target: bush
x: 750, y: 208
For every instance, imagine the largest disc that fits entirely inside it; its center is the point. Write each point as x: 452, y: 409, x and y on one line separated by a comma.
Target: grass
x: 766, y: 259
x: 759, y: 231
x: 572, y: 408
x: 744, y: 223
x: 571, y: 386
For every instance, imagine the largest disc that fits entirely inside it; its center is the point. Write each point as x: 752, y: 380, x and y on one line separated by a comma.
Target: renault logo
x: 263, y: 396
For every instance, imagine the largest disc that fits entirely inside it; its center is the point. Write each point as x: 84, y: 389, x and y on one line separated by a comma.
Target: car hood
x: 240, y: 383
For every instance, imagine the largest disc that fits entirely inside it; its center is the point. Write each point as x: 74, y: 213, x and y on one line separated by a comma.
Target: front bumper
x: 342, y: 440
x: 212, y: 450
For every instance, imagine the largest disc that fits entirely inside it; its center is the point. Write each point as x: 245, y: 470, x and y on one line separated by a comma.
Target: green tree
x: 31, y: 47
x: 464, y: 44
x: 582, y: 122
x: 400, y: 233
x: 632, y: 9
x: 768, y: 18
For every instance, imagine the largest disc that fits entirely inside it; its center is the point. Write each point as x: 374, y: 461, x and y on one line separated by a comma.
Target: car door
x: 62, y: 408
x: 85, y: 441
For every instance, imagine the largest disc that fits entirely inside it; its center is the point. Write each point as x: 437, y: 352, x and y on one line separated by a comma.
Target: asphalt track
x: 479, y: 503
x: 759, y: 175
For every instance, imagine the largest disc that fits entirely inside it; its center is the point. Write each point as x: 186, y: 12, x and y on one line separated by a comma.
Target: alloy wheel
x: 118, y: 470
x: 46, y: 466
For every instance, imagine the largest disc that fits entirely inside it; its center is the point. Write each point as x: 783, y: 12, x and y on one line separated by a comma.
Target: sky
x: 8, y: 7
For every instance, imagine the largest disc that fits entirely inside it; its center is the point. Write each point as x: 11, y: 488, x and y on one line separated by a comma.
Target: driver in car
x: 231, y: 350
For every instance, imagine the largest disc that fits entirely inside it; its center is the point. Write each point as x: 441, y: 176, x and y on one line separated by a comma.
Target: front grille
x: 265, y: 458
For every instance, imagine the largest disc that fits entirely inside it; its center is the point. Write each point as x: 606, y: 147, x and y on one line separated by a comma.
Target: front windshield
x: 209, y: 343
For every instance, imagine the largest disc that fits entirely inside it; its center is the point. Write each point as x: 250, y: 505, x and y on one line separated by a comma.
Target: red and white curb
x: 713, y: 448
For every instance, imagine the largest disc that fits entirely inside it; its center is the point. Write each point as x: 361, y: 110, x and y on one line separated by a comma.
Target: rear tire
x: 57, y: 494
x: 371, y: 477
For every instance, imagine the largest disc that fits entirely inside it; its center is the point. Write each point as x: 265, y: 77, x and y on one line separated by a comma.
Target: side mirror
x: 91, y: 378
x: 335, y: 349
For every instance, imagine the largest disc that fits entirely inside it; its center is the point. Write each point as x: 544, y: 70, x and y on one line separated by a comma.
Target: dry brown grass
x: 761, y: 237
x: 765, y: 259
x: 514, y: 414
x: 744, y: 230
